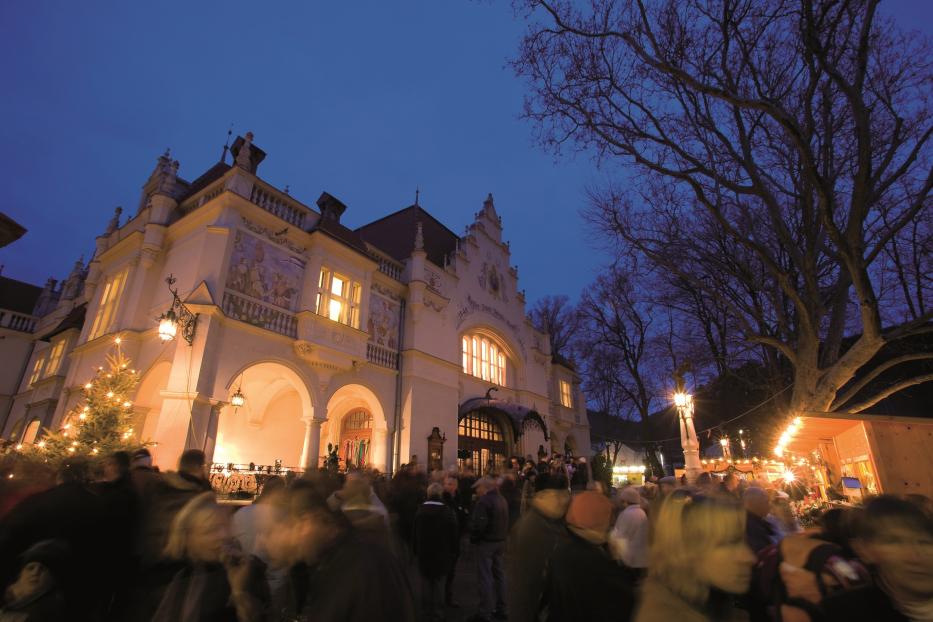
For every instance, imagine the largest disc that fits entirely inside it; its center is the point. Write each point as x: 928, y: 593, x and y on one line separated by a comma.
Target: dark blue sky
x: 366, y: 100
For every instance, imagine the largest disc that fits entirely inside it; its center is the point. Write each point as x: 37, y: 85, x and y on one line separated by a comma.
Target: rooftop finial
x: 417, y: 194
x: 223, y: 156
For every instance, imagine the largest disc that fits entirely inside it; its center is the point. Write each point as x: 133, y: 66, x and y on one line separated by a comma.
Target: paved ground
x: 465, y: 585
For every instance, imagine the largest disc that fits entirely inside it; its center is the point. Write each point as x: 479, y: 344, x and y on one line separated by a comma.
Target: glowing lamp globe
x: 681, y: 399
x: 238, y: 399
x: 168, y: 326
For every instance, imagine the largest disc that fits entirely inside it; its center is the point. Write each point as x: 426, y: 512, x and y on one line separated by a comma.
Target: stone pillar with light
x: 688, y: 435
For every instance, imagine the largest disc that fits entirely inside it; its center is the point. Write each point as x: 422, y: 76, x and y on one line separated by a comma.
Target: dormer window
x: 339, y: 298
x: 484, y: 358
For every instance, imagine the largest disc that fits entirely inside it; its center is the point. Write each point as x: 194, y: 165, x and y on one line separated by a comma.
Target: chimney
x: 331, y: 207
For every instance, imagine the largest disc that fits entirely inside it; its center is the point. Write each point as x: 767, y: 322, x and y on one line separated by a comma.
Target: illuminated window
x: 339, y: 298
x: 109, y: 299
x: 55, y: 358
x: 37, y: 369
x: 566, y: 396
x: 480, y: 440
x: 483, y: 358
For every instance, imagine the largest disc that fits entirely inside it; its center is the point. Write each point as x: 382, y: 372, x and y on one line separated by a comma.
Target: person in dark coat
x: 405, y: 496
x: 37, y: 594
x: 536, y: 535
x: 895, y: 538
x: 70, y: 512
x: 436, y: 544
x: 759, y: 533
x: 335, y: 574
x: 512, y: 493
x: 452, y: 500
x: 119, y: 504
x: 582, y: 582
x: 166, y: 494
x: 489, y: 529
x: 215, y: 581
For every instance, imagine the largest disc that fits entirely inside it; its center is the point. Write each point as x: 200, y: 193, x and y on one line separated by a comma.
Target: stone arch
x: 148, y: 402
x: 272, y: 423
x: 351, y: 398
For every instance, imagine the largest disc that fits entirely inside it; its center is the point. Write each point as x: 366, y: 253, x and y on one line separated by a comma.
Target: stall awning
x: 516, y: 413
x: 816, y: 430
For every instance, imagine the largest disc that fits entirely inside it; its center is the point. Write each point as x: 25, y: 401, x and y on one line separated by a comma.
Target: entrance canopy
x: 515, y: 413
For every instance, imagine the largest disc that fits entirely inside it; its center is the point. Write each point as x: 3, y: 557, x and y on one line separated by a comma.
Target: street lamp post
x: 688, y: 436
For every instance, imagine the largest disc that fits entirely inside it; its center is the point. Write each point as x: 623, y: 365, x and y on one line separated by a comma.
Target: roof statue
x: 114, y: 223
x: 419, y: 237
x: 243, y: 159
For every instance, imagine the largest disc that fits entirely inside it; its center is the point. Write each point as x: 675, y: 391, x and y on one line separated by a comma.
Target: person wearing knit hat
x: 37, y: 592
x: 582, y: 580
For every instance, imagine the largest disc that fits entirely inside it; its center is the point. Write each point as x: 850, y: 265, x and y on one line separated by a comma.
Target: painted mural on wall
x: 383, y: 321
x: 265, y: 272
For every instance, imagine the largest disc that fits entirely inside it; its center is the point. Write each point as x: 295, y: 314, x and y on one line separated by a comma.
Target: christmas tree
x: 100, y: 425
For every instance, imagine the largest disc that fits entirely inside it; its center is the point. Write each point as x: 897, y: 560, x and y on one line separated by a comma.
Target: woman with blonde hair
x: 698, y: 559
x: 215, y: 580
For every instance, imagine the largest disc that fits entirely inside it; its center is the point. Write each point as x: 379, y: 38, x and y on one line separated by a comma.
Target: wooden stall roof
x: 817, y: 427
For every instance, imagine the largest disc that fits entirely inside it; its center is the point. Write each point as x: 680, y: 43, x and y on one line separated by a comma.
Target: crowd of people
x: 544, y: 541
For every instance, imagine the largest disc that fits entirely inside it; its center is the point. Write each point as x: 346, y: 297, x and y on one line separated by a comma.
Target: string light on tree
x: 99, y: 426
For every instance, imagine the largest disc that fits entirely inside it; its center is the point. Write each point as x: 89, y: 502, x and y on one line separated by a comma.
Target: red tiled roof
x: 395, y: 234
x: 18, y: 296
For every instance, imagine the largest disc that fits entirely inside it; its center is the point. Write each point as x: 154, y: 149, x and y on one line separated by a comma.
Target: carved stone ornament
x: 304, y: 349
x: 270, y: 235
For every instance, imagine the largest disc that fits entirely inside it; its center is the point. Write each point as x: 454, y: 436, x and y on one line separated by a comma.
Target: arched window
x: 32, y: 431
x: 484, y: 358
x: 480, y: 439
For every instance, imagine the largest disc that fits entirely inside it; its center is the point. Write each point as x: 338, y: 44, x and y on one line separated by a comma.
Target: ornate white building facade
x: 397, y: 339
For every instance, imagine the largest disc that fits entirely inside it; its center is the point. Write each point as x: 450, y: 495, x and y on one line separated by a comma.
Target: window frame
x: 56, y: 356
x: 38, y: 367
x: 109, y: 302
x: 566, y: 398
x: 349, y: 298
x: 484, y: 357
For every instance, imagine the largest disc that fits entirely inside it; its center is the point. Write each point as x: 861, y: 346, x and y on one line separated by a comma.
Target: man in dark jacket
x: 582, y: 581
x: 339, y: 575
x: 452, y: 500
x: 488, y: 531
x: 758, y: 532
x: 536, y: 535
x: 69, y: 512
x: 436, y: 542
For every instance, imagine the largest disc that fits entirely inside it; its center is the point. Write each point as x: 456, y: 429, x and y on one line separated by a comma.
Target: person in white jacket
x: 628, y: 539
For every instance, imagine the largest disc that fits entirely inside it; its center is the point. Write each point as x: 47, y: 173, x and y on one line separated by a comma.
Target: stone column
x: 210, y: 438
x: 311, y: 452
x: 689, y: 442
x: 380, y: 455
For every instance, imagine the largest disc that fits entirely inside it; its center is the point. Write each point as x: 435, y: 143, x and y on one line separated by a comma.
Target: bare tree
x: 557, y: 318
x: 783, y: 153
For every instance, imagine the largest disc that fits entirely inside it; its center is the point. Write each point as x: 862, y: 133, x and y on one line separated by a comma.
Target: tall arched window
x: 484, y: 358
